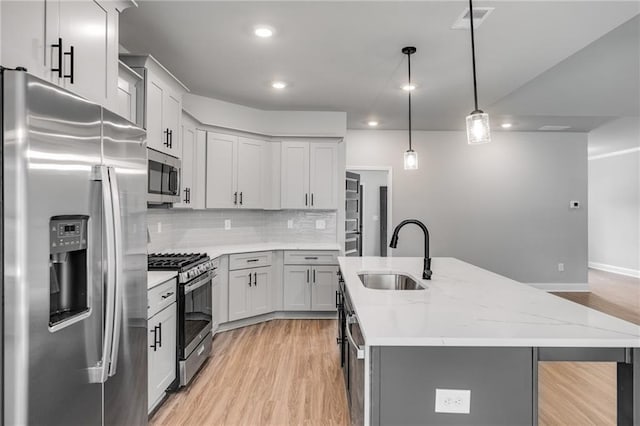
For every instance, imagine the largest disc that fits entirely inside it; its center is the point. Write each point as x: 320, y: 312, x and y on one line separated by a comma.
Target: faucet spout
x: 426, y: 271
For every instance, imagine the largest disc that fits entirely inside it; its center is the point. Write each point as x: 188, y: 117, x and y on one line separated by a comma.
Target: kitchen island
x: 469, y: 330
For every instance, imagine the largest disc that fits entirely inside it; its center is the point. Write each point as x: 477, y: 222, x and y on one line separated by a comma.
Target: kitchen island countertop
x: 465, y: 305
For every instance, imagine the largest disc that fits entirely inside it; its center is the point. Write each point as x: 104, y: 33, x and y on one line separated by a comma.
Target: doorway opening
x: 368, y: 211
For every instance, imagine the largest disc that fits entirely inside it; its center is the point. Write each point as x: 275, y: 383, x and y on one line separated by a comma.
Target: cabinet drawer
x: 160, y: 297
x: 249, y: 260
x: 305, y: 257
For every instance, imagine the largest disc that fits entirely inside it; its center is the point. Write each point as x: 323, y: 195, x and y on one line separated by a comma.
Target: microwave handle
x: 173, y: 180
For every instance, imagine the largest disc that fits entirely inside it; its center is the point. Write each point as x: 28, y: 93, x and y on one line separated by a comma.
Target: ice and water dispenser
x: 68, y: 285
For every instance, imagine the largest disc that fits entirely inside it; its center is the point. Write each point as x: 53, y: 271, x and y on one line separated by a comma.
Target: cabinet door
x: 187, y: 169
x: 324, y: 284
x: 199, y: 175
x: 261, y: 291
x: 323, y: 176
x: 23, y: 32
x: 295, y: 175
x: 222, y: 157
x: 156, y: 136
x: 297, y: 291
x: 84, y: 25
x: 171, y: 112
x: 250, y: 165
x: 162, y: 360
x: 239, y: 293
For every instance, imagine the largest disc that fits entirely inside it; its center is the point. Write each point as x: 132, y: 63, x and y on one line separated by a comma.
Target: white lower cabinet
x: 161, y: 337
x: 249, y: 292
x: 310, y: 288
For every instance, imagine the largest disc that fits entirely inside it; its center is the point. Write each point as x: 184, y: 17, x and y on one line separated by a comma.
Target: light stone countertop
x: 155, y: 278
x: 217, y: 251
x: 465, y: 305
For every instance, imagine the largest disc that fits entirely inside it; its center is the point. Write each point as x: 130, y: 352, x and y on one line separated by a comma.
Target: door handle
x: 186, y: 198
x: 58, y: 46
x: 240, y: 197
x: 306, y: 199
x: 307, y: 275
x: 314, y: 276
x: 170, y: 138
x: 189, y: 195
x: 155, y: 338
x: 249, y: 279
x: 160, y: 335
x: 71, y: 55
x: 166, y: 137
x: 312, y: 199
x: 255, y: 279
x: 119, y: 275
x: 235, y: 198
x: 359, y: 350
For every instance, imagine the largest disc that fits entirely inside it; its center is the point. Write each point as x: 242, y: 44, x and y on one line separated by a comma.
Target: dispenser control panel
x: 68, y: 233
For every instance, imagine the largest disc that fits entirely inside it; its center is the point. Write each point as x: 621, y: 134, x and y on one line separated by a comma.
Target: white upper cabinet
x: 250, y: 163
x: 162, y: 109
x: 130, y: 91
x: 235, y: 172
x: 192, y: 179
x: 323, y: 176
x: 73, y: 44
x: 222, y: 154
x: 309, y: 175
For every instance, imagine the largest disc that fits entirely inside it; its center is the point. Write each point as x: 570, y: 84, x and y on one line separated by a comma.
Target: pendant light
x: 478, y: 130
x: 410, y: 156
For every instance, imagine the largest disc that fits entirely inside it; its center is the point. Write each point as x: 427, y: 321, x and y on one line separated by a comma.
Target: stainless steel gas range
x: 195, y: 275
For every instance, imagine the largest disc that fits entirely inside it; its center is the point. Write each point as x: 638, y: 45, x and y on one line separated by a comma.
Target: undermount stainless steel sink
x: 389, y: 282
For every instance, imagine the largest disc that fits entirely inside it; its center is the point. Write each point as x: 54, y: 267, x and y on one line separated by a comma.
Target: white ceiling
x: 533, y: 67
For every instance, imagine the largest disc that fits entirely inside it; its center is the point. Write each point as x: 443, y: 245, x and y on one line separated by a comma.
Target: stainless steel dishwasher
x: 354, y: 365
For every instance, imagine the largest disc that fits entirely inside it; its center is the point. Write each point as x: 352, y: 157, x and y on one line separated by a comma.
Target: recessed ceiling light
x: 263, y: 32
x: 506, y: 125
x: 373, y: 123
x: 278, y: 84
x: 409, y: 87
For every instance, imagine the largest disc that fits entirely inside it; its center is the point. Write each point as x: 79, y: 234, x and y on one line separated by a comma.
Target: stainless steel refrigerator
x: 74, y: 259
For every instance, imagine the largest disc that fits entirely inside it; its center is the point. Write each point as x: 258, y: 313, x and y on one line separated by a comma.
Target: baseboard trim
x: 561, y: 287
x: 615, y: 269
x: 232, y: 325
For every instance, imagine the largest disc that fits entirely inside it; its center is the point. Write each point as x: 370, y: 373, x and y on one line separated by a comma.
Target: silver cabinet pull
x: 359, y: 351
x: 311, y: 258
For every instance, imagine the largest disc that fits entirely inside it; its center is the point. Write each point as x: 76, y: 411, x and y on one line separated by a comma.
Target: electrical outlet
x: 227, y: 224
x: 560, y: 267
x: 159, y: 227
x: 290, y: 224
x: 453, y: 401
x: 321, y: 224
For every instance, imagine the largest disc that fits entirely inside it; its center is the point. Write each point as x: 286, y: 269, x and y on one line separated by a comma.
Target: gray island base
x: 471, y: 331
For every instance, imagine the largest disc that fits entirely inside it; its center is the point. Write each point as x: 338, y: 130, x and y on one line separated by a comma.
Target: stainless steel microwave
x: 164, y: 178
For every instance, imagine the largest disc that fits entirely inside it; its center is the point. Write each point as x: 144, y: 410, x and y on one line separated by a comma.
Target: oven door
x: 164, y: 182
x: 196, y: 313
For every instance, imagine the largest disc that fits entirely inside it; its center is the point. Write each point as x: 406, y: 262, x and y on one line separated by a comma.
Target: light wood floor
x: 287, y: 372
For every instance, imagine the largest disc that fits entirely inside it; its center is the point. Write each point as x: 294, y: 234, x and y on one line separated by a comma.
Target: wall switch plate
x: 560, y: 267
x: 227, y: 224
x: 573, y: 204
x: 290, y: 224
x: 159, y: 227
x: 453, y: 401
x: 321, y: 224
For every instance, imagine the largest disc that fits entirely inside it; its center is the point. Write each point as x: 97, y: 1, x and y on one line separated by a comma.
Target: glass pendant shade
x: 410, y: 160
x: 478, y: 130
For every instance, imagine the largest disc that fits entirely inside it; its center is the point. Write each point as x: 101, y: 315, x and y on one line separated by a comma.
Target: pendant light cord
x: 473, y: 56
x: 409, y: 59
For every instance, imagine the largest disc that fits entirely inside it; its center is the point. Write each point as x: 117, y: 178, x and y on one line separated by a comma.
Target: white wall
x: 503, y: 206
x: 614, y: 197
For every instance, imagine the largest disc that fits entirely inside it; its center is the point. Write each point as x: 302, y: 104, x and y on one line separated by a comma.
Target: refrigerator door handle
x: 119, y: 261
x: 99, y: 373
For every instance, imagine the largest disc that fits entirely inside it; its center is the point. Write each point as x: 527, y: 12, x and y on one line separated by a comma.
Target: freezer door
x: 51, y: 143
x: 125, y: 156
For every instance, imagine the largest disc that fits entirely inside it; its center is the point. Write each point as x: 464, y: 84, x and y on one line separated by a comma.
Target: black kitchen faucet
x: 426, y: 271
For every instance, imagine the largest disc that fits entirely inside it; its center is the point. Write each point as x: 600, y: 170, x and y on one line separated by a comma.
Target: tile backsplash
x: 173, y: 228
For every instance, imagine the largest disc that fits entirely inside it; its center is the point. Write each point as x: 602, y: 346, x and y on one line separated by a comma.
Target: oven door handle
x: 196, y: 285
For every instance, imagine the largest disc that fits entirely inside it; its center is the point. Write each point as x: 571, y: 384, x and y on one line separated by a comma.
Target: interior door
x: 324, y: 284
x: 323, y: 172
x: 295, y: 175
x: 222, y: 158
x: 353, y: 215
x: 250, y: 165
x: 297, y: 295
